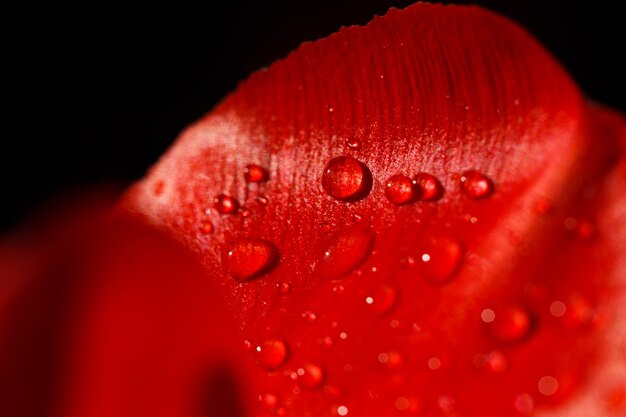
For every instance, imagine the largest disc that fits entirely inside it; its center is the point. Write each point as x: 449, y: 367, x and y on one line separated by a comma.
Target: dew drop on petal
x: 268, y: 400
x: 226, y: 204
x: 310, y: 376
x: 206, y: 227
x: 524, y: 404
x: 353, y: 143
x: 548, y: 385
x: 440, y: 258
x: 429, y: 186
x: 476, y: 185
x: 510, y: 324
x: 400, y: 189
x: 493, y: 363
x: 284, y: 287
x: 271, y: 353
x: 255, y: 173
x: 342, y: 410
x: 249, y: 258
x: 345, y: 178
x: 309, y: 316
x: 382, y: 300
x: 391, y: 360
x: 347, y: 250
x: 558, y: 308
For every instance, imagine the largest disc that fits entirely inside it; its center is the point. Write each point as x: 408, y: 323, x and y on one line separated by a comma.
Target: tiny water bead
x: 255, y: 173
x: 347, y: 250
x: 392, y: 360
x: 271, y: 354
x: 353, y: 143
x: 309, y: 316
x: 206, y: 227
x: 345, y: 178
x: 430, y: 188
x: 310, y: 376
x: 548, y: 385
x: 476, y: 185
x: 400, y: 190
x: 510, y: 324
x: 382, y: 300
x: 249, y: 258
x: 440, y: 258
x: 226, y: 204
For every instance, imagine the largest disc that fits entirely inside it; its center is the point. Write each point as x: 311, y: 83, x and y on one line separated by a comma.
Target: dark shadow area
x: 220, y: 395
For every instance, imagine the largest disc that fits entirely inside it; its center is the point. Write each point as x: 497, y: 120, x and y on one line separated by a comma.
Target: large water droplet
x: 400, y: 189
x: 310, y: 376
x: 271, y: 353
x: 226, y: 204
x: 347, y: 250
x: 255, y: 173
x: 429, y: 186
x: 206, y: 227
x: 510, y: 324
x: 382, y: 300
x: 440, y: 258
x: 476, y: 185
x: 249, y: 258
x: 345, y: 178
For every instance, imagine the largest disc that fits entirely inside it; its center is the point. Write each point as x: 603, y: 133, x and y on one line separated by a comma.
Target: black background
x: 101, y: 96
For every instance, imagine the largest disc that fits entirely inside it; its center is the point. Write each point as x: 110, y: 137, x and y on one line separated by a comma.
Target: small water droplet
x: 255, y: 173
x: 158, y: 187
x: 342, y: 410
x: 446, y: 403
x: 407, y: 262
x: 245, y: 212
x: 510, y: 324
x: 434, y: 363
x: 271, y: 354
x: 206, y: 227
x: 309, y: 316
x: 476, y: 185
x: 326, y: 227
x: 310, y: 376
x: 382, y: 300
x: 548, y: 385
x: 268, y: 400
x: 226, y: 204
x: 357, y: 218
x: 441, y: 258
x: 353, y: 143
x: 558, y: 308
x: 429, y: 186
x: 261, y: 199
x: 347, y: 250
x: 493, y: 363
x: 247, y: 345
x: 345, y: 178
x: 400, y: 189
x: 524, y: 404
x: 392, y: 360
x: 579, y: 312
x: 249, y: 258
x: 327, y: 342
x: 284, y: 287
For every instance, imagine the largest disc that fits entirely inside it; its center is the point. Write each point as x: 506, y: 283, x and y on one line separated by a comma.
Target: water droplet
x: 434, y: 363
x: 476, y: 185
x: 446, y: 403
x: 558, y: 308
x: 430, y: 187
x: 392, y: 360
x: 342, y: 410
x: 158, y: 187
x: 262, y: 200
x: 345, y: 178
x: 247, y: 345
x: 441, y: 258
x: 284, y: 287
x: 524, y: 404
x: 407, y: 262
x: 271, y: 354
x: 493, y: 363
x: 353, y: 143
x: 548, y: 385
x: 245, y: 212
x: 357, y: 218
x: 206, y: 227
x: 249, y: 258
x: 255, y: 173
x: 579, y: 312
x: 309, y: 316
x: 400, y: 189
x: 347, y: 250
x: 510, y: 324
x: 268, y: 400
x: 226, y: 204
x: 310, y: 376
x: 382, y: 300
x: 585, y: 230
x: 326, y: 342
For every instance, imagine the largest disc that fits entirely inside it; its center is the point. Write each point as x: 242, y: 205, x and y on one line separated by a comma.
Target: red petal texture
x: 506, y: 291
x: 499, y: 295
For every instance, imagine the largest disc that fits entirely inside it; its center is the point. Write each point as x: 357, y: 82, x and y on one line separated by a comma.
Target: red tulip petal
x: 501, y: 309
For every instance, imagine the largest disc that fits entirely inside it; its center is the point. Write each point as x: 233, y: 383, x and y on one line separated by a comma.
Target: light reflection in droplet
x: 488, y: 315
